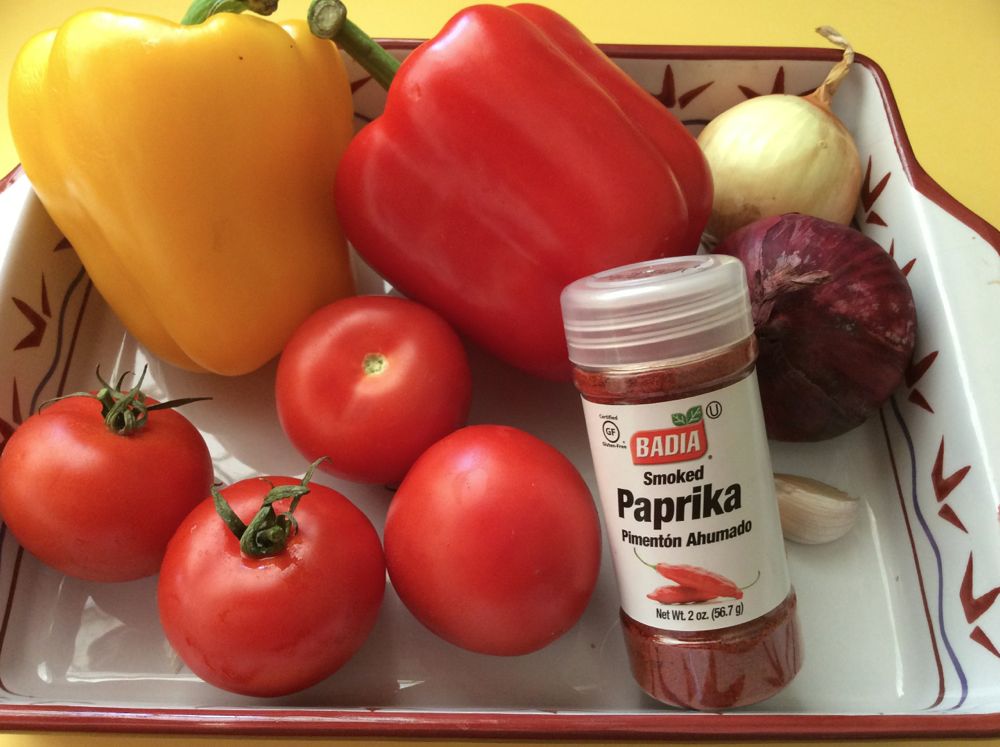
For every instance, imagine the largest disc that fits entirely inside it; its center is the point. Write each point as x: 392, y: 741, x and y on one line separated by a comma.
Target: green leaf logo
x: 692, y: 416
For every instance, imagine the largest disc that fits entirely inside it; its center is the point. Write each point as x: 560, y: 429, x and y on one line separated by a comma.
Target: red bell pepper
x: 512, y: 158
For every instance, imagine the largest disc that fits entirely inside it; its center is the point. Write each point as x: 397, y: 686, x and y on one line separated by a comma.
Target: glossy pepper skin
x: 190, y: 167
x: 511, y: 158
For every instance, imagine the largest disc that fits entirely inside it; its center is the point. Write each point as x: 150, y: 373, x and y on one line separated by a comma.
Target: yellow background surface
x: 942, y: 61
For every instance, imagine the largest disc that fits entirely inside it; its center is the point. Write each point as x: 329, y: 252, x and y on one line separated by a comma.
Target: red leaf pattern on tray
x: 7, y: 428
x: 920, y: 401
x: 668, y: 95
x: 777, y: 87
x: 913, y: 374
x: 944, y: 485
x: 973, y: 606
x: 947, y: 513
x: 868, y: 193
x: 915, y: 371
x: 37, y: 319
x: 980, y: 637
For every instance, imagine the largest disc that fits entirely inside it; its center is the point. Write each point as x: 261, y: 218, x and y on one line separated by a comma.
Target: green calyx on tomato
x: 125, y: 412
x: 268, y: 532
x: 374, y: 363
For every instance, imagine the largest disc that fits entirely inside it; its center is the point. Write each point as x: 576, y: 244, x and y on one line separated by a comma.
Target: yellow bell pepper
x: 192, y: 169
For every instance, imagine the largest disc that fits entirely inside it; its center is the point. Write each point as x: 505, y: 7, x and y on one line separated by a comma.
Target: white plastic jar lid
x: 656, y: 311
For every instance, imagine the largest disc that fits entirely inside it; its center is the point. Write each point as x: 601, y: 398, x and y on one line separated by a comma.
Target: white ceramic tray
x: 901, y: 619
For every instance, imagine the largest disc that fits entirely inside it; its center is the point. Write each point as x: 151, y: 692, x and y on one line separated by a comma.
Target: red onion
x: 835, y: 319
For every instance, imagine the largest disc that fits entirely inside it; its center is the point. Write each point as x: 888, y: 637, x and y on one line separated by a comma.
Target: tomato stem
x: 268, y: 532
x: 125, y: 412
x: 374, y: 364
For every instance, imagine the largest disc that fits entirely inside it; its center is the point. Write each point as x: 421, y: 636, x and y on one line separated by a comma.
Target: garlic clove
x: 813, y: 512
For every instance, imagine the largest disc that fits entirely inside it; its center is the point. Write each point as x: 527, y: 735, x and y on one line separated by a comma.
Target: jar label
x: 688, y: 497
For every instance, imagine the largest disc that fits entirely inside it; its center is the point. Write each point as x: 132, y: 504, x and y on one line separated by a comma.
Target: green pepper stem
x: 202, y: 9
x: 328, y: 20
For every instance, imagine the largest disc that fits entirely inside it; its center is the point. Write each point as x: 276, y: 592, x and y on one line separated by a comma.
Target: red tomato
x: 493, y: 542
x: 94, y: 504
x: 273, y: 625
x: 370, y: 382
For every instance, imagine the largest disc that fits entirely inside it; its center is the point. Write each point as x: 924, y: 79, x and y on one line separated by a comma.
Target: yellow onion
x: 779, y: 153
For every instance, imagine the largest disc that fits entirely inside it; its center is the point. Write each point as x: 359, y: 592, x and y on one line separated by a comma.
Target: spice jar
x: 664, y: 356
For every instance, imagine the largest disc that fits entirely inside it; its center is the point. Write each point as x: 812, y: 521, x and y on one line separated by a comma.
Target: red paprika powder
x: 664, y: 357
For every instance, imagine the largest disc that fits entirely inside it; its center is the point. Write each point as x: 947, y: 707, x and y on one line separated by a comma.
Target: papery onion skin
x: 835, y: 319
x: 778, y: 154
